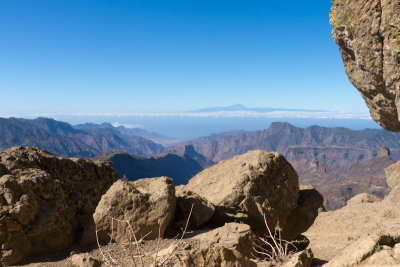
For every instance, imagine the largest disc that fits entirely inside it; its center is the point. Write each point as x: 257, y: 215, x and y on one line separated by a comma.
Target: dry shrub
x: 132, y: 251
x: 273, y: 248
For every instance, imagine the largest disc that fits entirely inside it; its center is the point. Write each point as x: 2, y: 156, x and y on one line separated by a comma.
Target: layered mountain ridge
x: 62, y: 139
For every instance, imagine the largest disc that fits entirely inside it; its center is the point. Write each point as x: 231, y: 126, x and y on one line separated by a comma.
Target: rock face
x: 368, y: 35
x: 247, y: 186
x: 148, y: 205
x: 46, y: 201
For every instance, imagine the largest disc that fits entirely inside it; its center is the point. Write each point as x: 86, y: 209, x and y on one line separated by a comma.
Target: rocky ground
x: 225, y: 216
x: 54, y: 208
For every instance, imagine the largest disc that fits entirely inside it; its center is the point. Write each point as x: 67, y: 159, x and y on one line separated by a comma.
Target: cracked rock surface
x: 368, y: 35
x: 46, y: 201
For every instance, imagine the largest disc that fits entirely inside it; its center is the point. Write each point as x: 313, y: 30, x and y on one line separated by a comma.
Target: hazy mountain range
x: 323, y: 157
x: 62, y: 139
x: 331, y: 147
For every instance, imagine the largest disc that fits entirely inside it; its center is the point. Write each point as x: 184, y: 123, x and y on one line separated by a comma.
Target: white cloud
x: 224, y: 114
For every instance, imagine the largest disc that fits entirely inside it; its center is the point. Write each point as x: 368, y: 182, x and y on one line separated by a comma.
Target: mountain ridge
x: 62, y: 139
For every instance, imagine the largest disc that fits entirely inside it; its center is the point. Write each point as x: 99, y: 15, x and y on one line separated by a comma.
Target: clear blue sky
x: 133, y: 56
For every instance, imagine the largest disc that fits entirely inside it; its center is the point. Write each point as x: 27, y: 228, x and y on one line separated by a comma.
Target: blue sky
x: 169, y: 56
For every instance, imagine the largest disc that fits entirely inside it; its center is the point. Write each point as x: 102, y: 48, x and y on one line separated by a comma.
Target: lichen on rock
x: 368, y: 36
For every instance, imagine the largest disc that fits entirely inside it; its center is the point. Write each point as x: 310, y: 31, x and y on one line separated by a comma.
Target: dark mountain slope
x: 179, y: 167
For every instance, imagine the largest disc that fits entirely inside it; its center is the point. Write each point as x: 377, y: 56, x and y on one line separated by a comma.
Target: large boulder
x: 46, y: 201
x: 248, y: 186
x: 128, y: 210
x: 368, y: 35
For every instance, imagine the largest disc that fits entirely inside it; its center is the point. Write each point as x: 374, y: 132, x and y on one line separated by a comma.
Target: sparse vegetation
x: 273, y: 248
x: 134, y: 256
x: 378, y: 248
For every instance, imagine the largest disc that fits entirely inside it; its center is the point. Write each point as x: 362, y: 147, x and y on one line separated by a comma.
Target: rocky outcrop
x: 371, y: 250
x: 364, y: 233
x: 248, y: 186
x: 368, y: 35
x: 202, y: 210
x: 46, y: 201
x: 334, y: 232
x: 129, y: 210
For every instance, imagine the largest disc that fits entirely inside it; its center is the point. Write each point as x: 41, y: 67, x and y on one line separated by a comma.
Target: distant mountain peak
x: 280, y: 124
x: 383, y: 152
x: 237, y: 106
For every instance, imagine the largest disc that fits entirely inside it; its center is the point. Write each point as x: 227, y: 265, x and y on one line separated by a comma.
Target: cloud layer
x: 226, y: 114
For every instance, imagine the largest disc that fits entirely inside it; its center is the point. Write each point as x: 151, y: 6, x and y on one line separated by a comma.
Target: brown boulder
x: 368, y: 36
x: 202, y: 211
x: 45, y: 201
x: 303, y: 216
x: 147, y: 204
x: 247, y: 186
